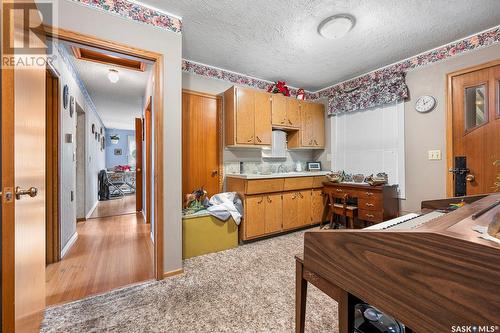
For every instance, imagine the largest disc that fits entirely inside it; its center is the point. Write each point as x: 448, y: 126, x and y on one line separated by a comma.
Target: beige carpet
x: 247, y: 289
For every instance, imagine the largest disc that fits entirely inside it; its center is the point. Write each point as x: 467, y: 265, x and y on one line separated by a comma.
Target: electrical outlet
x: 434, y: 155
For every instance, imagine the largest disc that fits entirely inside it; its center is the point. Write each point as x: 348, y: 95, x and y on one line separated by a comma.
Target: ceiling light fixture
x: 336, y: 26
x: 113, y: 75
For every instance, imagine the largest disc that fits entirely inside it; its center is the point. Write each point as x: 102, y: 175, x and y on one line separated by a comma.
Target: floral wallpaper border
x: 136, y: 12
x: 480, y: 40
x: 192, y: 67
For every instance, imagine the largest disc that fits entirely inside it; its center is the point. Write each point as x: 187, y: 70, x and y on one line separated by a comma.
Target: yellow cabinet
x: 312, y: 129
x: 247, y: 116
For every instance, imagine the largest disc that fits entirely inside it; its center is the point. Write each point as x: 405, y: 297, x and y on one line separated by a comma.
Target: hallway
x: 114, y: 207
x: 110, y: 252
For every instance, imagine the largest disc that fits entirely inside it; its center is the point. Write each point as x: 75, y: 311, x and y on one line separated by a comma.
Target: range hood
x: 278, y: 146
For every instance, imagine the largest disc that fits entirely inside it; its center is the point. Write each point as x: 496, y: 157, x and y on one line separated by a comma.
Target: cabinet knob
x: 370, y: 215
x: 369, y: 204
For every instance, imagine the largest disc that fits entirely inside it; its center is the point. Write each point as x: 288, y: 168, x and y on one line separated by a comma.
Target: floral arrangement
x: 279, y: 87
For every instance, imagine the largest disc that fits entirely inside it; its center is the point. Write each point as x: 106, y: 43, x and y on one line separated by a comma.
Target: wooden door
x: 317, y: 205
x: 263, y: 128
x: 245, y: 119
x: 23, y: 167
x: 307, y: 128
x: 318, y: 125
x: 138, y: 164
x: 293, y: 112
x: 476, y: 127
x: 279, y: 110
x: 274, y: 213
x: 291, y: 210
x: 201, y: 142
x: 255, y: 210
x: 304, y: 208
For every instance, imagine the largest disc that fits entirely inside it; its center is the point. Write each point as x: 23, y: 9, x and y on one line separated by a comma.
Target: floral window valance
x: 367, y: 91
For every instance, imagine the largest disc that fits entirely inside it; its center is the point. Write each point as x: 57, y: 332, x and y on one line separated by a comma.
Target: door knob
x: 32, y: 192
x: 470, y: 177
x: 138, y: 170
x: 214, y: 172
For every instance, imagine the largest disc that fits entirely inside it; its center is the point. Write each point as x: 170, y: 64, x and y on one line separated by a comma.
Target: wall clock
x: 93, y: 128
x: 71, y: 106
x: 65, y: 96
x: 425, y: 103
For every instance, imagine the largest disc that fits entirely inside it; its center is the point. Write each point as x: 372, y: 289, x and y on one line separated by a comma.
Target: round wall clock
x: 65, y: 96
x: 425, y: 103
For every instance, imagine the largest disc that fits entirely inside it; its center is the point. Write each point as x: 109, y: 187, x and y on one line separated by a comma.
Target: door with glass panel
x: 475, y: 114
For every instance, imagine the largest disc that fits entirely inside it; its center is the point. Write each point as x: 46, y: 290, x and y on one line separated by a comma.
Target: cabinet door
x: 255, y: 216
x: 292, y: 112
x: 307, y: 128
x: 274, y: 213
x: 263, y: 128
x: 245, y: 122
x: 304, y: 208
x: 318, y: 124
x: 290, y: 210
x: 317, y: 206
x: 279, y: 110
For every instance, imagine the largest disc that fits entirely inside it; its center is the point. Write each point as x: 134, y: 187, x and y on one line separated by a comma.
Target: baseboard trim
x: 81, y: 219
x: 173, y: 273
x: 69, y: 244
x: 91, y: 210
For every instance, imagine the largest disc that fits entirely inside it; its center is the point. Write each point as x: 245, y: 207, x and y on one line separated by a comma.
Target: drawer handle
x: 290, y: 122
x: 370, y: 204
x: 269, y: 199
x: 339, y: 190
x: 258, y: 139
x: 368, y: 193
x: 370, y: 215
x: 261, y: 199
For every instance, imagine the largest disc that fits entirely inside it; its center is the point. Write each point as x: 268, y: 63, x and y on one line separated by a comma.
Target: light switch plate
x: 434, y: 155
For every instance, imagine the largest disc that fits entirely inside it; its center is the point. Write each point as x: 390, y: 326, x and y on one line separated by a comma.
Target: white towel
x: 224, y: 205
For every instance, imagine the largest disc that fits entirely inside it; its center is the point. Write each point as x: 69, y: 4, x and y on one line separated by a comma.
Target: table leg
x: 300, y: 297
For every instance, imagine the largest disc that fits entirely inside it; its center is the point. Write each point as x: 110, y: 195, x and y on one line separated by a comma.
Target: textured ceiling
x: 118, y: 104
x: 278, y: 39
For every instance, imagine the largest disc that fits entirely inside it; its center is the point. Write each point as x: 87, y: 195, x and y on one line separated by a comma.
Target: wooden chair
x: 340, y: 206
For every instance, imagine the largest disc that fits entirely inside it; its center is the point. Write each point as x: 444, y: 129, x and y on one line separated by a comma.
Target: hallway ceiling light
x: 336, y: 26
x: 113, y: 75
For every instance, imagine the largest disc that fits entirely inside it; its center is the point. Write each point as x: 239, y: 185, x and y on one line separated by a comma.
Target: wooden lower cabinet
x: 317, y: 205
x: 274, y: 213
x: 255, y: 211
x: 296, y: 209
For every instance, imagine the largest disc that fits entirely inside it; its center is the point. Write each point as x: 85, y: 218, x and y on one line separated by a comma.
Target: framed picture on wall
x: 118, y: 151
x: 102, y: 143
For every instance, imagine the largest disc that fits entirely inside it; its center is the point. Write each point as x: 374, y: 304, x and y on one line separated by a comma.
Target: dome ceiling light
x: 113, y: 75
x: 336, y: 26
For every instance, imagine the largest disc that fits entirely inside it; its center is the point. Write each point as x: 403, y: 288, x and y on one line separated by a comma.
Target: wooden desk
x: 375, y: 203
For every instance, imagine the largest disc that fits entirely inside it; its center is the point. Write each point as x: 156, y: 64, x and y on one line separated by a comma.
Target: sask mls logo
x: 474, y: 329
x: 24, y: 41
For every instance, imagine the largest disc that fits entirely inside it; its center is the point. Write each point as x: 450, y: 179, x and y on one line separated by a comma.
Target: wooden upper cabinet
x: 312, y: 129
x: 247, y: 117
x: 245, y: 121
x: 279, y: 110
x: 293, y: 112
x: 263, y: 128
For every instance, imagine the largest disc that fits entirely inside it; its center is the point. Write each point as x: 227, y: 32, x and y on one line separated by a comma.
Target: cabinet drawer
x: 369, y: 215
x: 298, y: 183
x: 264, y: 186
x: 374, y: 203
x: 340, y: 192
x: 318, y: 181
x: 370, y: 194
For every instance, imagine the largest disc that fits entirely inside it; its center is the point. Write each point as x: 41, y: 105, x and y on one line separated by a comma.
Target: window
x: 476, y: 108
x: 371, y: 141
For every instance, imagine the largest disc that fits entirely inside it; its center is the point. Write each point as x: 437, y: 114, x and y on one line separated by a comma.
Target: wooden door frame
x: 139, y: 165
x: 449, y: 118
x: 52, y: 222
x: 157, y: 58
x: 149, y: 169
x: 220, y: 136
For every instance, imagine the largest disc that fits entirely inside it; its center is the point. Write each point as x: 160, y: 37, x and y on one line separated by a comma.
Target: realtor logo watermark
x: 475, y: 329
x: 24, y: 43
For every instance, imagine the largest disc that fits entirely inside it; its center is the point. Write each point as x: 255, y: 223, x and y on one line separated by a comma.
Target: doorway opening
x: 102, y: 226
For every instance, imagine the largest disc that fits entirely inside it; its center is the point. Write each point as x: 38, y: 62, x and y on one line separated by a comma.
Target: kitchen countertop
x: 278, y: 175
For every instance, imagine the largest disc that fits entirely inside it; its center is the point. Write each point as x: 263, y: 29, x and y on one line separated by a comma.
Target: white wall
x: 81, y: 19
x: 68, y: 153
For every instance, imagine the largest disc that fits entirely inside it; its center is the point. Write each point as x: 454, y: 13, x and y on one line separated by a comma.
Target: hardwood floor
x: 123, y: 205
x: 110, y: 252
